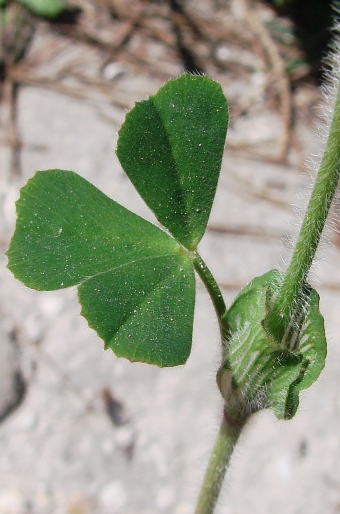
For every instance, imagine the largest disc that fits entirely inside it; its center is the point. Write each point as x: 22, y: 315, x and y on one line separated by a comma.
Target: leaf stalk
x: 210, y: 283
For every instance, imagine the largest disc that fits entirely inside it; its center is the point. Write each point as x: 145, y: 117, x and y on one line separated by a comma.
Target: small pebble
x: 50, y: 305
x: 112, y: 497
x: 124, y: 436
x: 11, y: 502
x: 79, y: 503
x: 113, y: 70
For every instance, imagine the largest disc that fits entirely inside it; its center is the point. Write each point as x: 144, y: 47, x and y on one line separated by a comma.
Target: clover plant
x: 136, y: 281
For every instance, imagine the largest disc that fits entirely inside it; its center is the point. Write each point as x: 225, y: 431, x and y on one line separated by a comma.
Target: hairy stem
x: 290, y: 295
x: 219, y: 461
x: 210, y: 283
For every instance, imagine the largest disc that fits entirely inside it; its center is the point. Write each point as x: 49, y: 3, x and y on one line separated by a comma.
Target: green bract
x: 171, y: 147
x: 258, y: 370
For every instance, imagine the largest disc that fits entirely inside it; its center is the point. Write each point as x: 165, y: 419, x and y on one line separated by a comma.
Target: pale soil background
x: 62, y: 450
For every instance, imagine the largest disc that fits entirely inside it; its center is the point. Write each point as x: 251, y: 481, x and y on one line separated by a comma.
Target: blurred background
x: 82, y: 432
x: 106, y: 52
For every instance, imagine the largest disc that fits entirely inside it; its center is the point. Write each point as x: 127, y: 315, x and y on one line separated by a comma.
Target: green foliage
x: 279, y: 3
x: 171, y: 147
x: 258, y: 369
x: 136, y: 286
x: 45, y: 8
x: 136, y: 282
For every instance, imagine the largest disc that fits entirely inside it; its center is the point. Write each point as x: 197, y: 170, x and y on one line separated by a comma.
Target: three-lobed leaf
x: 171, y: 148
x: 135, y: 282
x: 136, y: 285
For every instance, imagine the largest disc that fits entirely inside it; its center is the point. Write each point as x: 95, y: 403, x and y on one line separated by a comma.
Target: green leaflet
x: 136, y: 285
x: 259, y: 371
x: 171, y: 148
x: 152, y: 302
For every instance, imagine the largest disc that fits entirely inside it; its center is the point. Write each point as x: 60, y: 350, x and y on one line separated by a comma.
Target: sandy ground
x: 61, y: 451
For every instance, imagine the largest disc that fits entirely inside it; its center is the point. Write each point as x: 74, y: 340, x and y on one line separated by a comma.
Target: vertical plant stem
x: 291, y: 292
x: 230, y: 429
x: 218, y: 464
